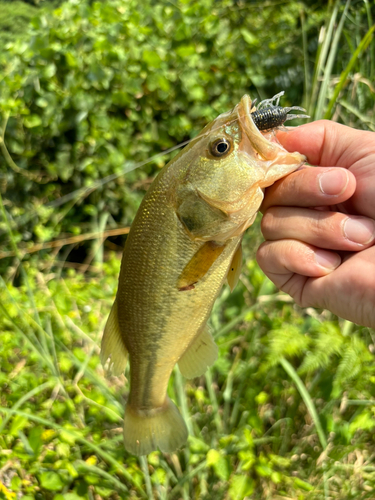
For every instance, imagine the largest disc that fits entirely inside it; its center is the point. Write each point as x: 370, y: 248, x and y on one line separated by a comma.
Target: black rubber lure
x: 269, y: 115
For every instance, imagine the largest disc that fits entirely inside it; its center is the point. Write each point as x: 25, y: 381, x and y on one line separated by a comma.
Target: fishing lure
x: 269, y: 115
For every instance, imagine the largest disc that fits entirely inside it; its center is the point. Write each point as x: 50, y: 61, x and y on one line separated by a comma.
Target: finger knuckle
x: 322, y: 224
x: 265, y: 223
x: 268, y: 222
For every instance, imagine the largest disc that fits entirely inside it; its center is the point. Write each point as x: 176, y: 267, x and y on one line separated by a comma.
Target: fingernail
x: 333, y: 182
x: 360, y: 231
x: 328, y: 260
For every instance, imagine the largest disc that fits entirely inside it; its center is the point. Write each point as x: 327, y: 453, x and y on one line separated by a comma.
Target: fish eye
x: 220, y: 147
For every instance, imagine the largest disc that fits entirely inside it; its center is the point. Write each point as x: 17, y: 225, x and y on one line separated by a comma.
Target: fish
x: 183, y: 245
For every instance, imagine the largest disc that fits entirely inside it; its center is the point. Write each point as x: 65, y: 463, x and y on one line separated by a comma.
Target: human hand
x: 319, y: 223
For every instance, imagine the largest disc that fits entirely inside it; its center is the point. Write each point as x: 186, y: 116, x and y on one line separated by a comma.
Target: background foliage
x: 94, y: 88
x: 86, y: 91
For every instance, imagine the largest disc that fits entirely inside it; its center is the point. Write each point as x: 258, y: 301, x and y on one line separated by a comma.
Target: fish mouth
x: 265, y: 147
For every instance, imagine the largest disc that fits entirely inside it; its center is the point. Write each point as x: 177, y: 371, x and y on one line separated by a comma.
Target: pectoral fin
x: 201, y: 354
x: 235, y: 269
x: 113, y: 346
x: 199, y: 265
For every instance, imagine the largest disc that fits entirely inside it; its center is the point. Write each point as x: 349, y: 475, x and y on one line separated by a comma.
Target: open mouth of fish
x: 265, y: 144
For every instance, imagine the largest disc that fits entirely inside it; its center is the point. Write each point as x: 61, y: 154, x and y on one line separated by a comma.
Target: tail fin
x: 147, y: 430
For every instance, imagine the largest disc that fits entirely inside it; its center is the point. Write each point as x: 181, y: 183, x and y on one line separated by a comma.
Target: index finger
x: 327, y: 143
x: 311, y: 187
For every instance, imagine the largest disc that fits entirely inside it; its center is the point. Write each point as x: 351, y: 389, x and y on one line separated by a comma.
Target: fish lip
x: 270, y: 151
x: 245, y: 104
x: 266, y: 149
x: 244, y: 116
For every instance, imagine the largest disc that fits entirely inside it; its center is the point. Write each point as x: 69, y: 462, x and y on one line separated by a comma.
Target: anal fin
x: 235, y: 268
x: 113, y: 346
x: 201, y: 354
x: 199, y: 265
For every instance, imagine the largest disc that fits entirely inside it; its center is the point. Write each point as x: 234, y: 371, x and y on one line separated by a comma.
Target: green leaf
x: 18, y: 424
x: 364, y: 421
x: 219, y: 464
x: 32, y: 121
x: 51, y: 481
x: 304, y: 485
x: 249, y: 38
x: 68, y: 496
x: 152, y: 58
x: 287, y: 341
x: 240, y: 487
x: 49, y: 71
x: 197, y: 445
x: 185, y: 50
x: 35, y: 438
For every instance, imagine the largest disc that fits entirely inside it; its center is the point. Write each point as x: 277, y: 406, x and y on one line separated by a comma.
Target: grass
x: 340, y: 86
x: 262, y: 421
x: 287, y: 411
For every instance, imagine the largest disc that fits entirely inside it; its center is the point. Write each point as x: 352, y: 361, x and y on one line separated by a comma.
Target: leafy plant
x: 287, y: 411
x: 94, y: 89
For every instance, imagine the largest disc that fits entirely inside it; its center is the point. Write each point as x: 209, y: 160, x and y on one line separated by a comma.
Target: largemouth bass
x: 184, y: 243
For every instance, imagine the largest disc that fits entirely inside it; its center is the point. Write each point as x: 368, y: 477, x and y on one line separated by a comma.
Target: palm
x: 363, y: 200
x: 360, y: 161
x: 349, y: 291
x: 296, y: 236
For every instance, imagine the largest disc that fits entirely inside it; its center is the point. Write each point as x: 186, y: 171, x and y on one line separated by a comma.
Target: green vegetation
x: 88, y: 91
x: 16, y: 14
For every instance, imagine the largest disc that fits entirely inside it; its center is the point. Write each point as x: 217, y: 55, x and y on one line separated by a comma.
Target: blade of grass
x: 30, y: 339
x: 307, y: 91
x: 330, y: 62
x: 261, y: 299
x: 144, y: 466
x: 25, y: 398
x: 366, y: 40
x: 118, y: 485
x: 304, y: 393
x: 323, y: 48
x: 370, y: 122
x: 67, y: 241
x: 372, y: 50
x: 9, y: 159
x: 17, y: 253
x: 53, y: 345
x: 182, y: 400
x: 97, y: 449
x: 214, y: 403
x: 181, y: 395
x: 227, y: 393
x: 88, y: 372
x: 228, y: 327
x: 306, y: 399
x: 187, y: 477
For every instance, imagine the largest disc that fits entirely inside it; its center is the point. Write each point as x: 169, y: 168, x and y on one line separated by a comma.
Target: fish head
x: 230, y: 163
